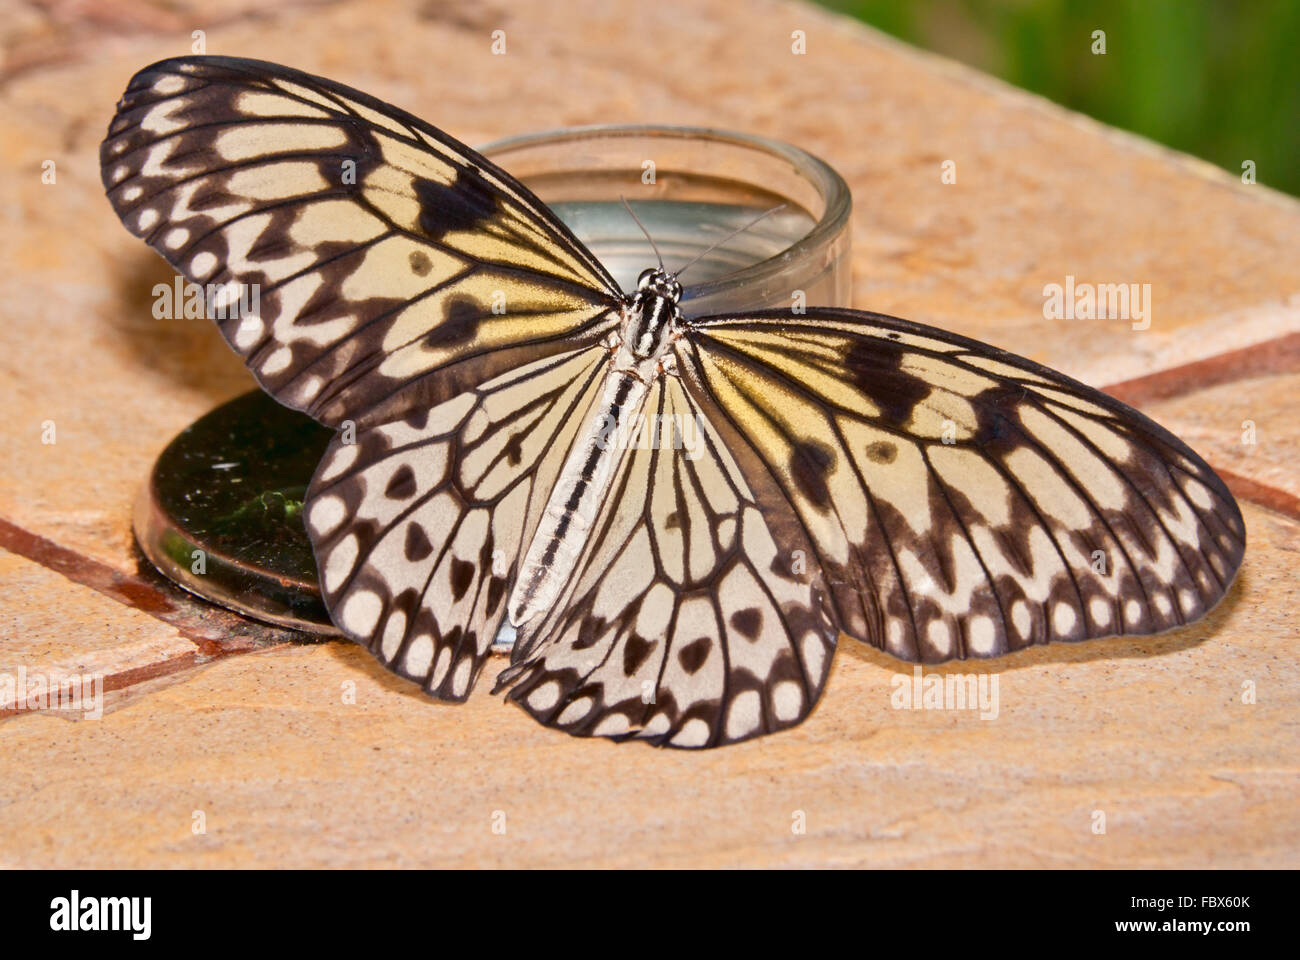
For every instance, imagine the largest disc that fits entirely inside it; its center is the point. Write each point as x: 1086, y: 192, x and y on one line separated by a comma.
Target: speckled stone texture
x: 309, y: 754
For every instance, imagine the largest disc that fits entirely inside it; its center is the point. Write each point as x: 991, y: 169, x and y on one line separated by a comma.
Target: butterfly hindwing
x: 418, y: 524
x: 693, y: 621
x: 348, y: 250
x: 964, y: 501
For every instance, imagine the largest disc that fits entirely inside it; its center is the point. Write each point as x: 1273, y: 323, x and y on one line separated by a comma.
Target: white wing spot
x: 814, y: 654
x: 1063, y: 618
x: 203, y: 263
x: 940, y: 636
x: 168, y: 85
x: 277, y: 361
x: 1133, y: 612
x: 394, y: 628
x: 894, y: 636
x: 360, y: 612
x: 310, y: 387
x: 787, y: 699
x: 1100, y: 611
x: 545, y: 696
x: 419, y: 656
x: 460, y: 679
x: 657, y: 726
x: 440, y: 668
x: 694, y: 734
x: 343, y: 456
x: 1021, y: 618
x: 1198, y: 493
x: 983, y: 635
x: 340, y: 561
x: 325, y: 514
x: 612, y: 726
x: 249, y: 331
x: 575, y: 711
x: 744, y: 715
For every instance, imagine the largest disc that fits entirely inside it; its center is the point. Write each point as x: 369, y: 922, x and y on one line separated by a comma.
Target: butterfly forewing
x: 964, y: 501
x: 348, y: 250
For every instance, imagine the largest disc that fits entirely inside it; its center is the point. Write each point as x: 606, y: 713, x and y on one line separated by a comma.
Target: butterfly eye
x: 646, y: 276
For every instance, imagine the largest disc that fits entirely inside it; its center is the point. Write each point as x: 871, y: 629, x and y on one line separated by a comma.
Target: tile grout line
x: 125, y: 679
x: 1278, y: 355
x: 1260, y: 494
x: 208, y: 627
x: 1275, y: 356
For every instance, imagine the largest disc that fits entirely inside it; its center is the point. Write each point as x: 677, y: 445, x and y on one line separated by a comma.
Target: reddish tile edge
x: 128, y: 678
x: 1279, y: 355
x: 215, y: 631
x: 1261, y: 494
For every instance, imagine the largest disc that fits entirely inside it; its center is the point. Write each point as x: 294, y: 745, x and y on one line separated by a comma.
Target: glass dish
x: 691, y: 186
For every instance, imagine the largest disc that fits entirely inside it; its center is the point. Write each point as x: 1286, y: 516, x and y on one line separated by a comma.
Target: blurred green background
x: 1215, y: 78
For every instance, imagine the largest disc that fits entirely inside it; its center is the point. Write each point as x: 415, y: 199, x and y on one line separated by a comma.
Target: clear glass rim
x: 830, y: 186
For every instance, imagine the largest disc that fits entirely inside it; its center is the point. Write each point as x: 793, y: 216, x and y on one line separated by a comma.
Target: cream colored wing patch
x: 418, y: 524
x: 963, y: 501
x: 347, y: 250
x: 694, y: 620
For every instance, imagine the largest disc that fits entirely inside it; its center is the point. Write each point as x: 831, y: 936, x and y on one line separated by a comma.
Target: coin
x: 221, y: 513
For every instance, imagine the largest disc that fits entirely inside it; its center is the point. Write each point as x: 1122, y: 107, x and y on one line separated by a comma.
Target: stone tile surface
x: 1153, y: 733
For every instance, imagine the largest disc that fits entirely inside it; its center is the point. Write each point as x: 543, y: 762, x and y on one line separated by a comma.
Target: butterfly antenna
x: 734, y: 233
x: 658, y: 255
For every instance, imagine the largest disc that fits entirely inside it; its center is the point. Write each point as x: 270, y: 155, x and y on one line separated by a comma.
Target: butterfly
x: 676, y: 517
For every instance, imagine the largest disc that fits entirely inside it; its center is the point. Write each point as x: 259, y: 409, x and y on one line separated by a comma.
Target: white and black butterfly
x: 853, y: 473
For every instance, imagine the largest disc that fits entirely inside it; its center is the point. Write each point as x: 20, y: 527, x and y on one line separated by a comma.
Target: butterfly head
x: 658, y: 282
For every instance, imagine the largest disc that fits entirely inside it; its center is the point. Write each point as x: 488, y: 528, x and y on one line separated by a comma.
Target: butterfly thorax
x: 652, y: 314
x: 640, y: 353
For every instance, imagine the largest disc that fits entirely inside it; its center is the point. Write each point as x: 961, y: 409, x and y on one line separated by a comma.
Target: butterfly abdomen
x: 575, y: 501
x: 650, y: 318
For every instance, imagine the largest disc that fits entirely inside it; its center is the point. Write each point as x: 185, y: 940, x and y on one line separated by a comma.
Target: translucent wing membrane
x: 348, y: 249
x: 418, y: 525
x: 963, y: 501
x: 694, y: 619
